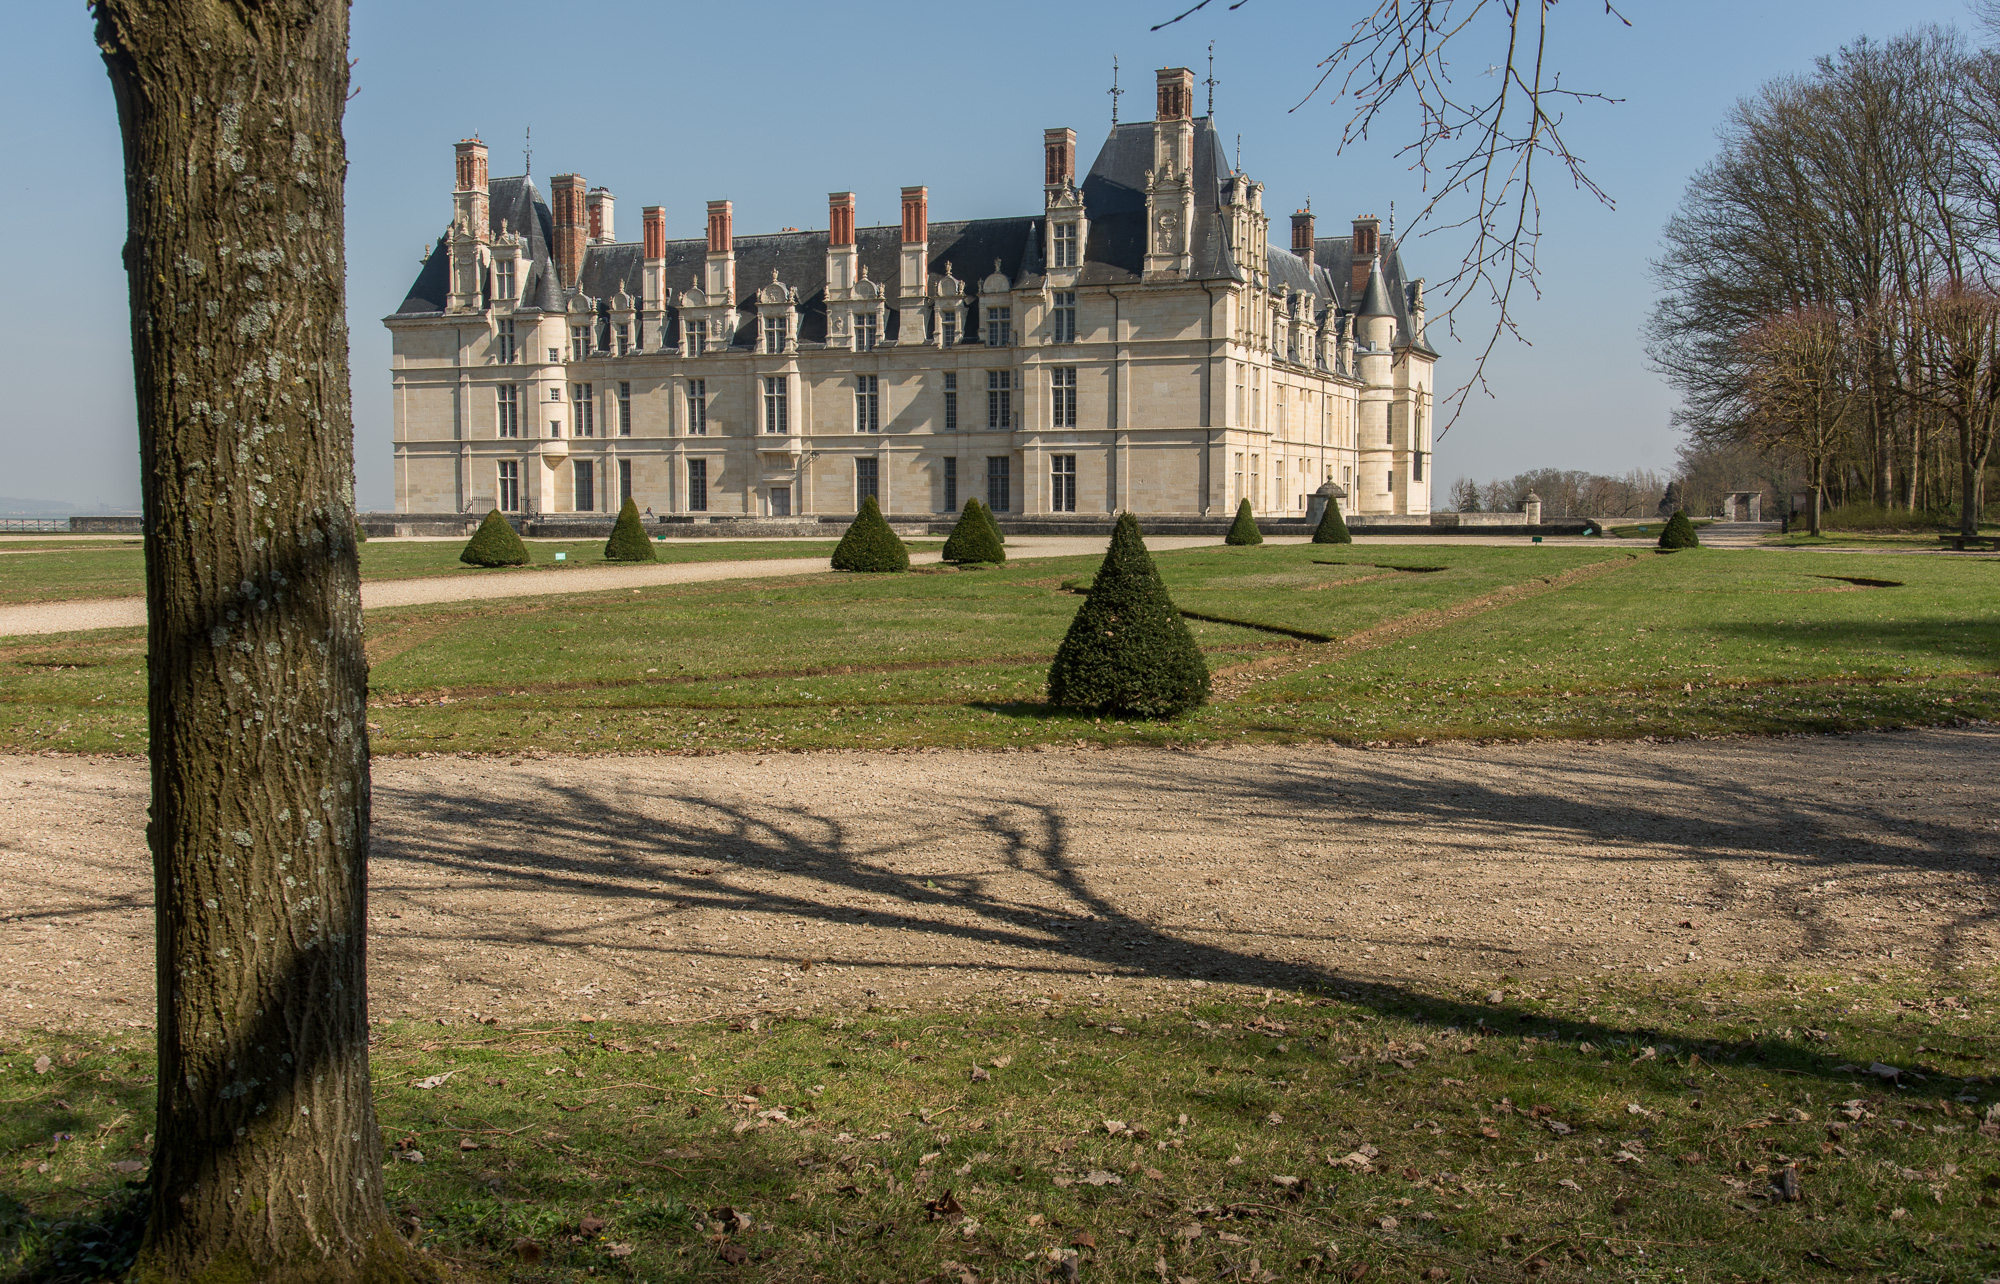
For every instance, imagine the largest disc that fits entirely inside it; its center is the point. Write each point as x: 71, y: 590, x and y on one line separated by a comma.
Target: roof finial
x: 1392, y: 220
x: 1114, y: 91
x: 1239, y: 153
x: 1211, y: 82
x: 528, y: 152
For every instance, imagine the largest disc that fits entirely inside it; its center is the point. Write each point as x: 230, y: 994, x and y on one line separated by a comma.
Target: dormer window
x: 865, y: 332
x: 622, y: 334
x: 503, y: 279
x: 948, y: 328
x: 999, y: 327
x: 1064, y: 250
x: 775, y: 330
x: 697, y: 337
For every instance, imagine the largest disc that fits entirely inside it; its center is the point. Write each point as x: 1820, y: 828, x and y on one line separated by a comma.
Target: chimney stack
x: 721, y: 228
x: 469, y: 196
x: 655, y: 231
x: 1302, y: 237
x: 1367, y: 246
x: 916, y: 215
x: 1176, y: 94
x: 598, y: 203
x: 566, y: 192
x: 840, y: 218
x: 1058, y: 159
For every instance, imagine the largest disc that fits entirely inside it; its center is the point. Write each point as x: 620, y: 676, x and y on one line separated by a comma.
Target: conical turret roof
x: 1376, y: 302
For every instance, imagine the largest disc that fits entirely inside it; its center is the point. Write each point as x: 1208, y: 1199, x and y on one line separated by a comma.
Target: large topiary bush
x: 494, y: 544
x: 974, y: 538
x: 1128, y: 650
x: 628, y: 542
x: 1679, y: 532
x: 1332, y: 528
x: 1244, y: 529
x: 869, y: 544
x: 986, y: 515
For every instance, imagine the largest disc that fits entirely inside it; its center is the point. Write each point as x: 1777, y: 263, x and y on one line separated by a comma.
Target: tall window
x: 776, y: 418
x: 999, y: 327
x: 585, y: 473
x: 1064, y: 316
x: 622, y: 335
x: 775, y: 329
x: 509, y: 409
x: 951, y: 485
x: 697, y: 485
x: 624, y: 408
x: 864, y: 332
x: 1256, y: 484
x: 867, y: 481
x: 951, y: 402
x: 1236, y: 411
x: 509, y: 498
x: 1062, y: 483
x: 998, y: 493
x: 583, y: 410
x: 503, y: 278
x: 948, y: 328
x: 1417, y: 466
x: 1062, y: 396
x: 1065, y: 245
x: 999, y: 398
x: 624, y: 480
x: 1240, y: 492
x: 579, y: 342
x: 697, y: 336
x: 867, y: 403
x: 697, y: 408
x: 504, y: 343
x: 1390, y: 483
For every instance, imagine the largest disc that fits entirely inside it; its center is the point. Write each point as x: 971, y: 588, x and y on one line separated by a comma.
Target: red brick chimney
x: 599, y: 206
x: 916, y: 215
x: 566, y: 193
x: 1302, y: 236
x: 1367, y: 245
x: 1058, y: 158
x: 655, y: 231
x: 840, y: 218
x: 1175, y: 87
x: 469, y: 196
x: 721, y: 227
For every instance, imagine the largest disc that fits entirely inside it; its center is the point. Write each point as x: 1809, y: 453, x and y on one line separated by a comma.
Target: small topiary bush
x: 360, y: 532
x: 986, y: 515
x: 494, y: 544
x: 1332, y: 528
x: 1244, y: 529
x: 974, y: 538
x: 1128, y: 651
x: 869, y: 544
x: 628, y: 542
x: 1679, y: 532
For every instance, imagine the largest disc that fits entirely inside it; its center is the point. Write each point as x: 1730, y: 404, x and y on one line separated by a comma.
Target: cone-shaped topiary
x: 974, y: 538
x: 360, y: 532
x: 1332, y: 528
x: 494, y: 544
x: 1244, y: 529
x: 986, y: 515
x: 628, y: 542
x: 1128, y: 650
x: 869, y: 544
x: 1679, y: 532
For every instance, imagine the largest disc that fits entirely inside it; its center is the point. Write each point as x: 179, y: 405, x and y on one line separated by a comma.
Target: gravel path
x: 676, y: 887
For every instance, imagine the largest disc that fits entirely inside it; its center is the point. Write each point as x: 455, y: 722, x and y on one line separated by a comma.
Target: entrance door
x: 781, y: 501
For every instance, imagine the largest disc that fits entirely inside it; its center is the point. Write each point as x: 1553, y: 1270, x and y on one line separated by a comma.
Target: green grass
x: 1582, y: 1130
x: 1889, y: 540
x: 1694, y: 643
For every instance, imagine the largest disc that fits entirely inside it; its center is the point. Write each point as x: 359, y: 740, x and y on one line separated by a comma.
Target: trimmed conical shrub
x: 1332, y: 528
x: 986, y: 515
x: 1244, y: 529
x: 494, y: 544
x: 628, y: 542
x: 1128, y: 650
x: 869, y: 544
x: 1679, y: 532
x: 974, y: 539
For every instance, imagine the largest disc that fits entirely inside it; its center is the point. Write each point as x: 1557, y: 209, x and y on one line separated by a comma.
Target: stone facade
x: 1138, y: 345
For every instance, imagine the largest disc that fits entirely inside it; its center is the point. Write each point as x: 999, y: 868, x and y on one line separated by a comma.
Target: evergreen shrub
x: 869, y: 544
x: 974, y: 538
x: 986, y: 515
x: 1332, y: 528
x: 1679, y: 532
x: 360, y: 531
x: 494, y: 544
x: 628, y: 542
x: 1128, y: 651
x: 1244, y: 529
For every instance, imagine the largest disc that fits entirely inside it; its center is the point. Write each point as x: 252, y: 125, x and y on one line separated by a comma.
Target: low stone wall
x: 107, y: 526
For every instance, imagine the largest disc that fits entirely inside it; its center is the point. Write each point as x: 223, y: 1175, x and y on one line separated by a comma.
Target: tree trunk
x: 268, y: 1161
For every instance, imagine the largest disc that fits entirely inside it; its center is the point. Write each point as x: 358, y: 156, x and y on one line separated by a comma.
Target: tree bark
x: 267, y: 1162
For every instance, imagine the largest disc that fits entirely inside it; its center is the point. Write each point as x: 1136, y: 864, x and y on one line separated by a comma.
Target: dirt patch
x: 565, y: 886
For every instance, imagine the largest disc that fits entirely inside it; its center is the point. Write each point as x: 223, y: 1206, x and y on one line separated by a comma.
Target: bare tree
x: 267, y: 1162
x: 1801, y: 387
x: 1958, y: 339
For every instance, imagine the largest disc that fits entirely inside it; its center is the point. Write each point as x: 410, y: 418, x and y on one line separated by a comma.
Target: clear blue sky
x: 774, y: 105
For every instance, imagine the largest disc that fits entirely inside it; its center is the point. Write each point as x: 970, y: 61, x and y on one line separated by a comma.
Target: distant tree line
x: 1565, y: 492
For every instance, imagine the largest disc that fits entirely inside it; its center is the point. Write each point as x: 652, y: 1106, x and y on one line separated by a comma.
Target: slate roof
x: 512, y: 204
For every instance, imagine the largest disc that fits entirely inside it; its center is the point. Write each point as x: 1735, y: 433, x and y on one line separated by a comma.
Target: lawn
x: 1764, y: 1126
x: 1429, y: 643
x: 1650, y: 529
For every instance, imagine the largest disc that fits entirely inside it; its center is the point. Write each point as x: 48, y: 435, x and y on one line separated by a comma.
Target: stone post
x: 1532, y: 509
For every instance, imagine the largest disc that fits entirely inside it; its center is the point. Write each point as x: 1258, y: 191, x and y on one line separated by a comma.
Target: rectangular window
x: 867, y: 481
x: 1417, y: 466
x: 1062, y: 483
x: 999, y: 398
x: 1236, y: 411
x: 948, y: 329
x: 583, y: 411
x: 697, y: 407
x: 503, y: 278
x: 1389, y: 483
x: 867, y: 403
x: 579, y: 342
x: 1062, y: 396
x: 1241, y: 493
x: 504, y: 343
x: 999, y: 327
x: 951, y: 485
x: 776, y: 417
x: 1065, y: 245
x: 697, y: 336
x: 775, y: 329
x: 555, y: 355
x: 951, y: 402
x: 1256, y: 484
x: 624, y: 480
x: 998, y: 495
x: 510, y: 410
x: 586, y: 485
x: 1064, y: 316
x: 624, y: 408
x: 622, y: 334
x: 509, y: 498
x: 697, y: 485
x: 864, y: 332
x: 555, y: 427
